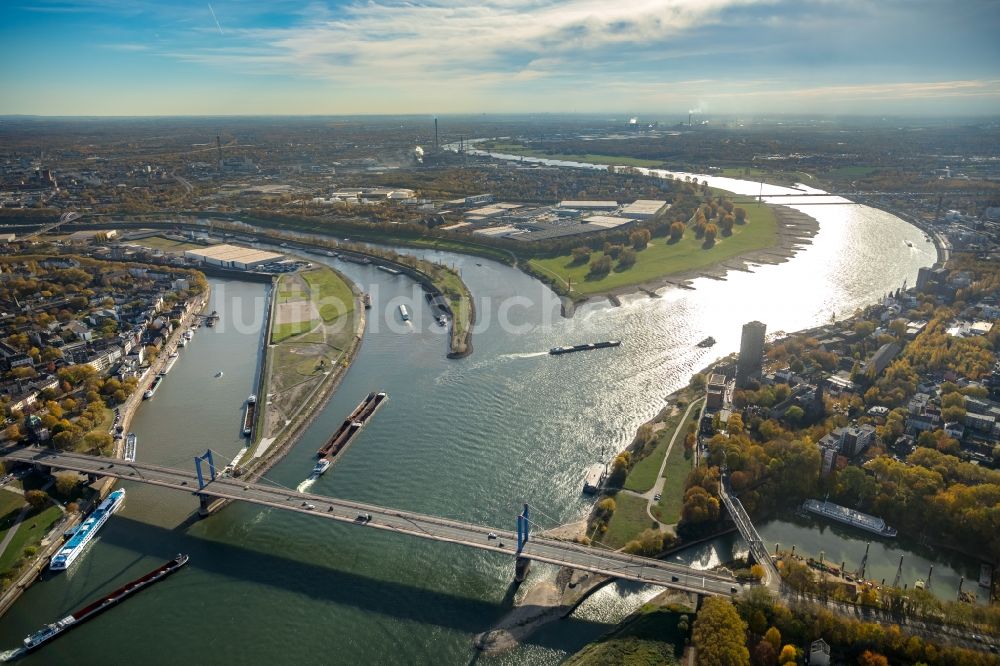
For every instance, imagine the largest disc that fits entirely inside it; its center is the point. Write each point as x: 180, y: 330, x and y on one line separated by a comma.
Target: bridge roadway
x: 541, y: 549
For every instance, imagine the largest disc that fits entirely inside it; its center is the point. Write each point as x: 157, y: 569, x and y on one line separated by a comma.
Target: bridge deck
x: 541, y: 549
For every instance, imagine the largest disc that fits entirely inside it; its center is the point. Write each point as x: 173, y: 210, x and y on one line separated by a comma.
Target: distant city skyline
x: 729, y: 57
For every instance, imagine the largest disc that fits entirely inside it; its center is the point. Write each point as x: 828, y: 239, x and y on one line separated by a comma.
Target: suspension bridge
x: 206, y: 483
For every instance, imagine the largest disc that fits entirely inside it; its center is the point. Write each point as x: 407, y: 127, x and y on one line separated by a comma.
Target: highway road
x: 369, y: 516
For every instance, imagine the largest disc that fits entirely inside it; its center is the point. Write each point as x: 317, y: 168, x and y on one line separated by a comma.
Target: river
x: 469, y: 439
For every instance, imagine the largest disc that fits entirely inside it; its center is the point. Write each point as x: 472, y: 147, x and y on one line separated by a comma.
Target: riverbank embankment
x: 53, y: 541
x: 284, y: 417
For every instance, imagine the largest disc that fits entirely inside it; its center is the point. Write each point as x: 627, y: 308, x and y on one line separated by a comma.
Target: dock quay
x: 351, y: 426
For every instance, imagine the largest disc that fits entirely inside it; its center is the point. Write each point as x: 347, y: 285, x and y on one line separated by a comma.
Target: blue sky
x: 745, y: 57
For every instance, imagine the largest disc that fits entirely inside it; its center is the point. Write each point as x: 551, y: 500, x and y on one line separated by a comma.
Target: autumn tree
x: 627, y: 259
x: 66, y: 483
x: 581, y: 255
x: 869, y: 658
x: 711, y: 231
x: 600, y: 267
x: 789, y: 655
x: 764, y: 654
x: 640, y: 238
x: 719, y: 635
x: 676, y: 231
x: 36, y: 498
x: 726, y: 224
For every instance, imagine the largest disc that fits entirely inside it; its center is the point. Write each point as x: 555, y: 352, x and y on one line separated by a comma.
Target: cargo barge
x: 52, y: 631
x: 85, y: 533
x: 390, y: 271
x: 556, y: 351
x: 248, y: 415
x: 355, y: 259
x: 851, y: 517
x: 352, y: 425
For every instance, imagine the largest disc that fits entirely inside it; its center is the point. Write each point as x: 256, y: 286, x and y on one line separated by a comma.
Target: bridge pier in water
x: 522, y: 564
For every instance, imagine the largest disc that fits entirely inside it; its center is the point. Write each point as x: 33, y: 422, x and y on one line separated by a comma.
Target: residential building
x: 748, y: 367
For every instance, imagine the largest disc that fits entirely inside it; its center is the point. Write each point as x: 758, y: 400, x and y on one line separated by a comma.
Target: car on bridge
x: 363, y: 518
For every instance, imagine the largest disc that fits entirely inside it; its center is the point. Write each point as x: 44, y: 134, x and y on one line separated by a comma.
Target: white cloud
x: 438, y: 43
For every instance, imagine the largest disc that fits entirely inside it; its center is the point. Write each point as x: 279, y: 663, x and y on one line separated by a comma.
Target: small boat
x: 182, y: 343
x: 219, y: 373
x: 707, y: 342
x: 404, y: 313
x: 442, y: 320
x: 909, y: 244
x: 173, y: 354
x: 368, y: 301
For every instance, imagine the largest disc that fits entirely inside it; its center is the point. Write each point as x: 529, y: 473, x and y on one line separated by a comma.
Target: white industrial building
x: 233, y: 256
x: 644, y: 209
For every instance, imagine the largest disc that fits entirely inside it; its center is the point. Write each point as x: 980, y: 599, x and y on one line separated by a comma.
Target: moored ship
x: 368, y: 301
x: 75, y: 619
x: 151, y: 391
x: 851, y: 517
x: 593, y: 478
x: 130, y: 445
x: 72, y: 549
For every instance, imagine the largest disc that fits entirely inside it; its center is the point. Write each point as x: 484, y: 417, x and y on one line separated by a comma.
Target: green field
x: 643, y: 474
x: 332, y: 295
x: 590, y: 158
x: 34, y: 527
x: 285, y: 331
x: 783, y: 178
x: 628, y: 521
x: 661, y: 258
x: 668, y: 509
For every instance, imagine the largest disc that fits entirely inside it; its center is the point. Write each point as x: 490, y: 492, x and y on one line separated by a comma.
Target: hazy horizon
x: 125, y: 58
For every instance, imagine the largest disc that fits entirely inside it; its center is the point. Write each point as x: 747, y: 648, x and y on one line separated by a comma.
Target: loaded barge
x: 850, y: 517
x: 351, y: 426
x: 556, y: 351
x: 52, y: 631
x: 251, y: 410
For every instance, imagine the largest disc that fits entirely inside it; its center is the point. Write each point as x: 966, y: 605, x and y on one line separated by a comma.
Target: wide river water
x: 470, y: 439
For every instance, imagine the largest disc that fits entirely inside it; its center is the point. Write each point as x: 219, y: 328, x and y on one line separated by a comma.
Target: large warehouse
x: 233, y: 256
